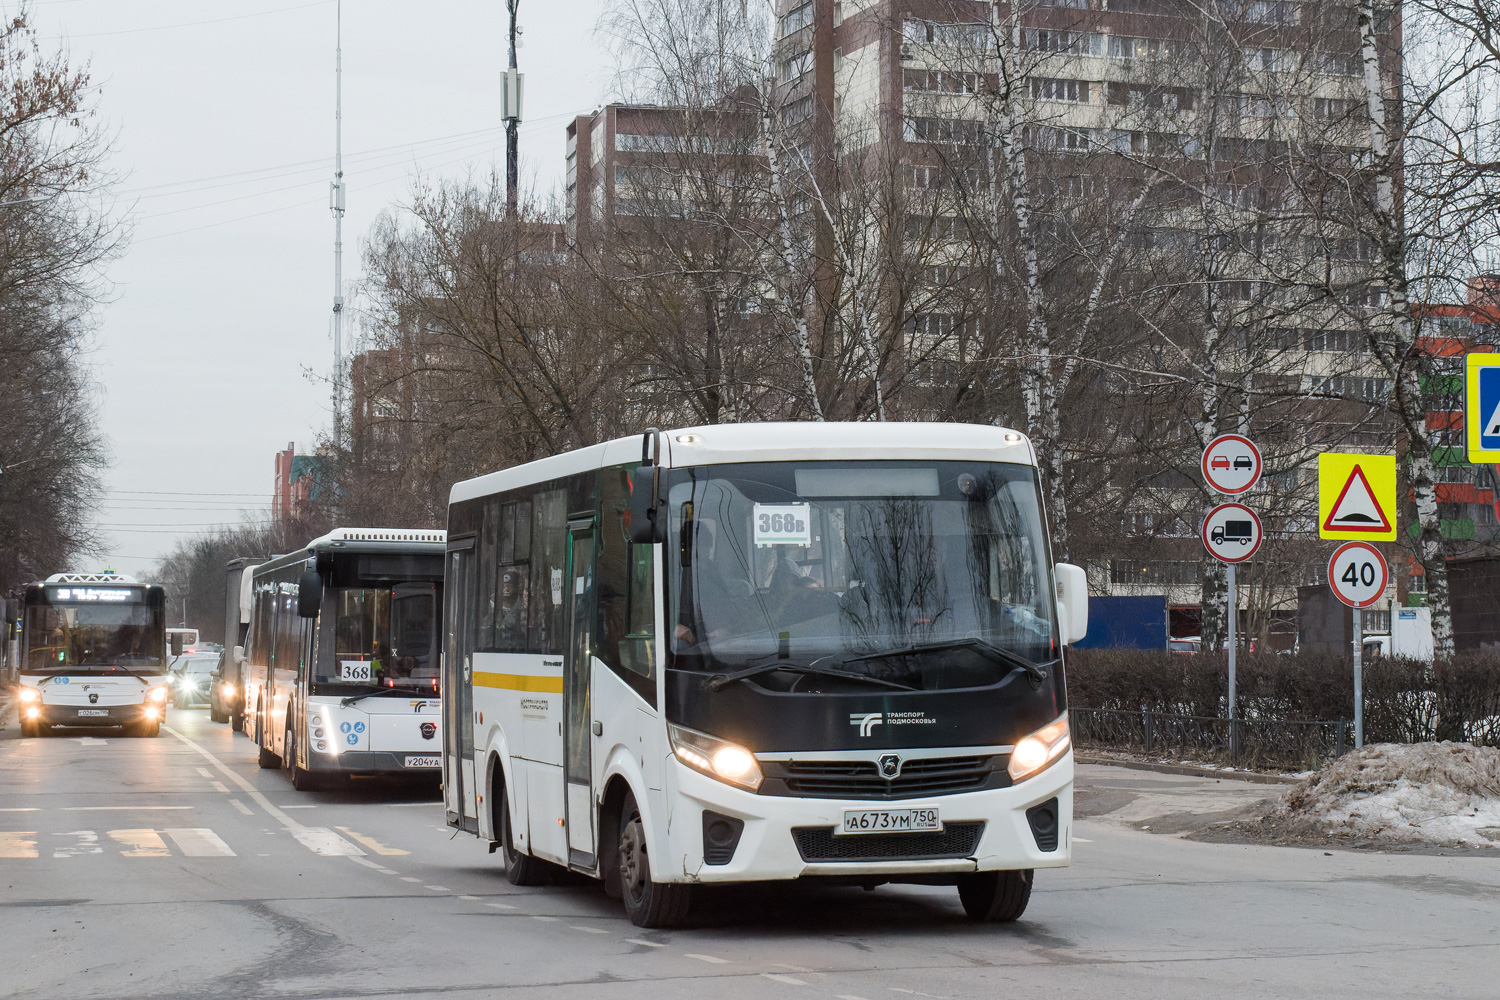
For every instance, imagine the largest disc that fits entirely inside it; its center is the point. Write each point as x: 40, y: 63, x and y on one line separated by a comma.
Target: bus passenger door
x: 577, y: 710
x: 458, y: 691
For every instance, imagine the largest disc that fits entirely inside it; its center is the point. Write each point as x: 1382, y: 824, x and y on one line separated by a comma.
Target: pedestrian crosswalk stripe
x: 141, y: 843
x: 199, y: 842
x: 323, y: 841
x: 17, y: 844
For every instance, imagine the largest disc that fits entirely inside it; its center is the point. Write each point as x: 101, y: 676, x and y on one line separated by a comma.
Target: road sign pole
x: 1359, y: 695
x: 1234, y: 605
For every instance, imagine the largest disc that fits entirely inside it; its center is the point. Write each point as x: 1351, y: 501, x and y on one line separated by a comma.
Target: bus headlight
x: 1040, y: 749
x: 717, y: 758
x: 157, y: 694
x: 228, y: 689
x: 30, y: 695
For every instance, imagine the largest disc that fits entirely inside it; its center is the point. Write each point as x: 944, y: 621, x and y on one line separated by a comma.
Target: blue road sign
x: 1482, y: 407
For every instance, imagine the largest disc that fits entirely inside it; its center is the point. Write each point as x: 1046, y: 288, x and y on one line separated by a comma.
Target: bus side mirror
x: 177, y: 644
x: 1072, y: 602
x: 309, y: 594
x: 647, y: 523
x: 238, y: 656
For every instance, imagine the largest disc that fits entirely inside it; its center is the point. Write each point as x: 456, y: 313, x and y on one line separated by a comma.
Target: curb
x: 1188, y: 770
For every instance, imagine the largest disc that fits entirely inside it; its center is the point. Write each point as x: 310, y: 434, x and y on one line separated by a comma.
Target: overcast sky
x: 223, y: 112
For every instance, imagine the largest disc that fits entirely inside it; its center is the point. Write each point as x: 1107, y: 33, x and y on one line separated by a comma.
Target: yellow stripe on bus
x: 519, y: 682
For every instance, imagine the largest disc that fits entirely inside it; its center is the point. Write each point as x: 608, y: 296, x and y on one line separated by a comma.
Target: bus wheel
x: 145, y: 729
x: 520, y: 869
x: 995, y: 897
x: 647, y: 903
x: 30, y: 729
x: 237, y: 722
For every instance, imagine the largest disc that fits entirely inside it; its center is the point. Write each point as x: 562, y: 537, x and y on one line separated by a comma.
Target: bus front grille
x: 861, y: 779
x: 820, y: 843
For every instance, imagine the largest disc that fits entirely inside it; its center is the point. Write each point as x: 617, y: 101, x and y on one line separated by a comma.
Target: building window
x: 940, y: 81
x: 797, y: 111
x: 946, y: 130
x: 796, y: 67
x: 1077, y: 43
x: 1047, y: 88
x: 1153, y: 572
x: 796, y: 19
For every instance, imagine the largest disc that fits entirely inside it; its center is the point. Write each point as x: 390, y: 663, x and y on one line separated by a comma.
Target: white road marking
x: 408, y: 878
x: 88, y: 843
x: 319, y: 840
x: 219, y: 786
x: 303, y: 806
x: 89, y: 741
x: 472, y: 899
x: 794, y: 968
x: 501, y: 906
x: 707, y: 958
x: 242, y: 807
x: 1080, y: 840
x: 437, y: 888
x: 141, y: 843
x: 205, y: 772
x: 789, y: 980
x: 588, y: 930
x: 368, y: 864
x: 21, y: 809
x: 847, y: 996
x: 550, y: 920
x: 199, y: 842
x: 648, y: 944
x: 89, y: 809
x: 17, y: 844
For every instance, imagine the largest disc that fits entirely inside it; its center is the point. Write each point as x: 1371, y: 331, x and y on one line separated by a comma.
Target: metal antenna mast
x: 336, y: 203
x: 511, y: 98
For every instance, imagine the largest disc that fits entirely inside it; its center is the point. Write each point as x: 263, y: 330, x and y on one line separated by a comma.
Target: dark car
x: 224, y: 698
x: 1243, y: 462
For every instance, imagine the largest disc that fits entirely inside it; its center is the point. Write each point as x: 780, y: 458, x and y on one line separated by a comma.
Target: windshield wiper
x: 1037, y: 671
x: 720, y: 681
x: 404, y: 689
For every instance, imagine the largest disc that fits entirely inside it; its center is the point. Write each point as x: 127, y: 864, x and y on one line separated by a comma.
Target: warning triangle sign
x: 1356, y: 509
x: 1492, y: 425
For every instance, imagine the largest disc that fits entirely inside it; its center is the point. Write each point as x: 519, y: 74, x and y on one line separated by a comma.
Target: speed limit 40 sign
x: 1358, y: 574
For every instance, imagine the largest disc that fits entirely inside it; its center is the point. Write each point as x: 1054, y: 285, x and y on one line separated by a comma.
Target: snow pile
x: 1439, y: 793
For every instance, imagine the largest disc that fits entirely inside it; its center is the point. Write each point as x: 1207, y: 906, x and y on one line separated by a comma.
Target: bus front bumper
x: 787, y: 837
x: 94, y: 715
x: 371, y: 762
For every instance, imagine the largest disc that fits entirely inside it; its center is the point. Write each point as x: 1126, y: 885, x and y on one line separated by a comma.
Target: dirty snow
x: 1438, y: 793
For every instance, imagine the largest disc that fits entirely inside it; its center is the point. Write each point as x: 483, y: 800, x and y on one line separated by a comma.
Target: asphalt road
x: 174, y: 868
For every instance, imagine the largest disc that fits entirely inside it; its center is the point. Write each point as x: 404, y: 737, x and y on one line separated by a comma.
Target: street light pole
x: 336, y: 204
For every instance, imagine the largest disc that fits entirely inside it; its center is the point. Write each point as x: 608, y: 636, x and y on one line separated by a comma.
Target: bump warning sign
x: 1357, y: 497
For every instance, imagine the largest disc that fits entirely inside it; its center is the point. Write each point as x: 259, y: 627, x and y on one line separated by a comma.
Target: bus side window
x: 549, y: 562
x: 626, y: 581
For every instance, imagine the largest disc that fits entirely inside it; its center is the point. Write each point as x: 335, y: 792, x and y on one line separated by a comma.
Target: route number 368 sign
x: 1358, y: 574
x: 782, y: 524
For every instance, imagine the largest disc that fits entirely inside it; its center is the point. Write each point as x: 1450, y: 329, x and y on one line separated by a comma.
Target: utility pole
x: 510, y: 93
x: 336, y: 204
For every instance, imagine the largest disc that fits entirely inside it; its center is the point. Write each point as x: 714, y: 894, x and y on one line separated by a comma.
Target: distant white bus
x: 764, y: 651
x: 93, y: 653
x: 340, y: 664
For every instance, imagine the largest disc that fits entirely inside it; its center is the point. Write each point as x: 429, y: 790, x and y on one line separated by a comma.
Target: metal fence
x: 1274, y: 743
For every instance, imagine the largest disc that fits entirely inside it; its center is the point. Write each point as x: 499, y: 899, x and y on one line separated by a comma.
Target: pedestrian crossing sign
x: 1482, y: 408
x: 1357, y: 497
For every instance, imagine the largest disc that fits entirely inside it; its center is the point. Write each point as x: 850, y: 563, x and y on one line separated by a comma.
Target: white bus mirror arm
x: 1072, y: 602
x: 239, y: 654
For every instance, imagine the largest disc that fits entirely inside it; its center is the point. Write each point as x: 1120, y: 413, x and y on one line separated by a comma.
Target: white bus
x: 764, y: 651
x: 94, y: 653
x: 340, y: 666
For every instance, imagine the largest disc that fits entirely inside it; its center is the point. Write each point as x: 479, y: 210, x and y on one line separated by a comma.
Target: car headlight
x: 157, y: 694
x: 716, y: 758
x: 1039, y: 750
x: 29, y: 695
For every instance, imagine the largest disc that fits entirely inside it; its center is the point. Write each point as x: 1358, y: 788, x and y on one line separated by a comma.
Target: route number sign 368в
x: 1231, y: 464
x: 1231, y: 532
x: 1358, y: 574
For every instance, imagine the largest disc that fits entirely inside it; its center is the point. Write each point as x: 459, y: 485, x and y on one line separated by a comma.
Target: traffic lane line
x: 319, y: 840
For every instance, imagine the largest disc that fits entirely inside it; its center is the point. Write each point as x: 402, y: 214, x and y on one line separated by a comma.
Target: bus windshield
x: 378, y: 638
x: 928, y: 575
x: 94, y: 636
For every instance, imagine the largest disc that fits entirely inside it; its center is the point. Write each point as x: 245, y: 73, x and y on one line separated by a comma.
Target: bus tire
x: 30, y: 730
x: 237, y: 722
x: 648, y: 903
x: 520, y: 869
x: 995, y: 897
x: 146, y: 729
x: 266, y: 759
